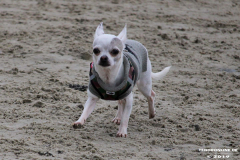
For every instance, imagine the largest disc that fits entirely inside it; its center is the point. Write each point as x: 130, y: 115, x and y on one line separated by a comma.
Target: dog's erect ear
x: 99, y: 31
x: 123, y: 34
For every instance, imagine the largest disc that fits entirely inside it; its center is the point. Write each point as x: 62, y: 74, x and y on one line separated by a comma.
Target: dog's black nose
x: 104, y: 61
x: 104, y: 58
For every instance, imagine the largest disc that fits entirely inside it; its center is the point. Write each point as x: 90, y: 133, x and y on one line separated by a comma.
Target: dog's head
x: 107, y: 48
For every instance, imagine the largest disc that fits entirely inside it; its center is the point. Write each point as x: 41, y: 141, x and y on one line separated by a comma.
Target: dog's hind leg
x: 145, y: 87
x: 150, y: 95
x: 118, y: 117
x: 151, y: 108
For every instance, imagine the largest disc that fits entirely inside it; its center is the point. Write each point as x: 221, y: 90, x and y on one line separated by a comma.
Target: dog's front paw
x: 122, y: 132
x: 77, y: 125
x: 122, y: 135
x: 152, y: 115
x: 116, y: 120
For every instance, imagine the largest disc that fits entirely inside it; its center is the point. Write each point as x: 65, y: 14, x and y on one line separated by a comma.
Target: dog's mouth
x: 104, y: 64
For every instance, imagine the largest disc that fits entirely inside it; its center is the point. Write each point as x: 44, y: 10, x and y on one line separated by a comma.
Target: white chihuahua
x: 117, y: 65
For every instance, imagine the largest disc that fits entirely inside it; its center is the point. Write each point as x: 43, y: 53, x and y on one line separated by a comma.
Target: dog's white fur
x: 113, y: 75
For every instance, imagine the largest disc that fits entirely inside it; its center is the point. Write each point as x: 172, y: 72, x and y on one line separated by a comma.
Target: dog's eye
x: 96, y: 51
x: 114, y: 52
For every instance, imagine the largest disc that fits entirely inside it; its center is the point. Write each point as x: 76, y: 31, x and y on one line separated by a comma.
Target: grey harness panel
x: 140, y: 51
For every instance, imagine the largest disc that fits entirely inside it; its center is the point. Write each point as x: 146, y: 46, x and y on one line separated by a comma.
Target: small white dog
x: 117, y: 65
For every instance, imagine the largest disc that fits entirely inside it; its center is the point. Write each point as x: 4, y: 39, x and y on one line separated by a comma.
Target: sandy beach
x: 45, y: 45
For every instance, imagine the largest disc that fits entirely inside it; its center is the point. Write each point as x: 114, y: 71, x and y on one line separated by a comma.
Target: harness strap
x: 108, y: 95
x: 129, y: 48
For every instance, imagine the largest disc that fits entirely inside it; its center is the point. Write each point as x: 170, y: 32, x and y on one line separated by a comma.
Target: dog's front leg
x: 88, y: 108
x: 118, y: 117
x: 127, y: 108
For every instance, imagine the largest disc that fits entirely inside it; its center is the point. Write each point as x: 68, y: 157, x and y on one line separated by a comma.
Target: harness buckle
x: 110, y: 93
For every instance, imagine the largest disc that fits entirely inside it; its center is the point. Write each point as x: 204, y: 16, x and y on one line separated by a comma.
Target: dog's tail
x: 160, y: 75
